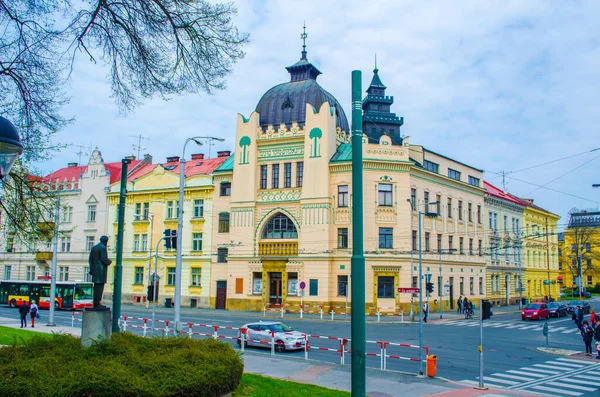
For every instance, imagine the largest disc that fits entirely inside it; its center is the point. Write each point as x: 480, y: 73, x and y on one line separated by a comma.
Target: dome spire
x: 303, y: 36
x: 375, y: 70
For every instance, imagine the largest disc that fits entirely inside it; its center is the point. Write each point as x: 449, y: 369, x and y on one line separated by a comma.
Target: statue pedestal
x: 96, y: 325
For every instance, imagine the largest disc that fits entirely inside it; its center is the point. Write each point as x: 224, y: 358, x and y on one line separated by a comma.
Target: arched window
x: 280, y: 226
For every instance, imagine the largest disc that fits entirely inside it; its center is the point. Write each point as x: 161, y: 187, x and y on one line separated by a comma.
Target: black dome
x: 8, y: 133
x: 286, y: 103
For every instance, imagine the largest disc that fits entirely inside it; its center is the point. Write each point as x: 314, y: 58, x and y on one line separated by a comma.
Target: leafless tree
x: 581, y: 251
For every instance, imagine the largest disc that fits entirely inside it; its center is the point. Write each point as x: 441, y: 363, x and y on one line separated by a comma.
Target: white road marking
x: 512, y: 371
x: 476, y: 383
x: 503, y: 375
x: 553, y: 389
x: 491, y: 378
x: 581, y: 362
x: 576, y: 387
x: 555, y: 367
x: 565, y: 364
x: 551, y: 329
x: 545, y: 371
x: 581, y: 381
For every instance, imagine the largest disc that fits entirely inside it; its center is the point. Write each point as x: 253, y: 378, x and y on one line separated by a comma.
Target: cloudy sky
x: 502, y: 86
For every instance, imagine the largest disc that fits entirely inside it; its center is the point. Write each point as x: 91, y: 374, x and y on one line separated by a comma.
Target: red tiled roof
x: 494, y: 191
x: 192, y: 167
x: 70, y: 173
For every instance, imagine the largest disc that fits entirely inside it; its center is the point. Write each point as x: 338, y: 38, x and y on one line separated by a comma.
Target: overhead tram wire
x: 558, y: 177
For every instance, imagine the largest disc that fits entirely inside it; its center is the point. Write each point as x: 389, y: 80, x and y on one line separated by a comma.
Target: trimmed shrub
x: 126, y: 365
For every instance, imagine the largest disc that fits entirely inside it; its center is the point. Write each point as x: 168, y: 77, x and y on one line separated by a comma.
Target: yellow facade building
x: 540, y: 253
x: 151, y: 208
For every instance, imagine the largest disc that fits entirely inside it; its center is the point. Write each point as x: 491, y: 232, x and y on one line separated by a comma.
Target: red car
x: 535, y: 311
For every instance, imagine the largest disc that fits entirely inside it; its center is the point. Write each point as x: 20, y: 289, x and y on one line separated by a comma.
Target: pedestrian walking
x: 33, y: 310
x: 460, y: 304
x: 587, y: 334
x: 425, y: 311
x: 580, y: 314
x: 597, y: 331
x: 23, y: 312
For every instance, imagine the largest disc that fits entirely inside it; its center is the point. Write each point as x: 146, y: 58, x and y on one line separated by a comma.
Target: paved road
x: 509, y: 345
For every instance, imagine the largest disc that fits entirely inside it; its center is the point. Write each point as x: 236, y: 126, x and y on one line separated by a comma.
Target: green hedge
x: 126, y: 365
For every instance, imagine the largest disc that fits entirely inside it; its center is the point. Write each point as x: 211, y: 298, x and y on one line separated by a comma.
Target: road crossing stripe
x: 553, y: 389
x: 570, y: 365
x: 491, y: 378
x: 576, y: 387
x: 556, y: 329
x: 581, y: 381
x: 588, y: 373
x: 546, y: 371
x: 525, y: 373
x: 514, y: 326
x: 476, y: 383
x: 570, y: 360
x: 555, y: 367
x: 511, y: 376
x: 530, y: 326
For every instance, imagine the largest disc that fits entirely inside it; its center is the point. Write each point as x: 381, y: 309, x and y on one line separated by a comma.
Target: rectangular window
x: 589, y: 280
x: 67, y: 214
x: 480, y: 247
x: 470, y: 246
x: 427, y: 242
x: 343, y: 237
x: 479, y: 214
x: 470, y: 212
x: 139, y: 275
x: 222, y: 255
x: 460, y: 214
x: 588, y: 247
x: 505, y: 223
x: 439, y: 243
x: 136, y: 242
x: 170, y: 276
x: 413, y: 199
x: 299, y: 173
x: 275, y: 176
x: 342, y: 284
x: 449, y: 207
x: 198, y: 208
x: 225, y: 189
x: 431, y: 166
x: 89, y: 243
x: 385, y: 195
x: 144, y: 242
x: 426, y: 201
x: 474, y: 181
x: 292, y: 283
x: 415, y: 282
x: 287, y: 175
x: 239, y: 285
x: 91, y: 215
x: 313, y: 287
x: 65, y: 244
x: 414, y: 241
x: 196, y: 277
x: 461, y: 243
x: 196, y: 241
x: 30, y: 273
x: 386, y: 237
x: 438, y: 204
x: 63, y: 273
x: 343, y: 196
x: 172, y: 209
x: 588, y: 263
x: 224, y: 222
x: 481, y: 285
x: 450, y: 244
x: 453, y: 174
x: 385, y: 287
x: 263, y: 176
x: 462, y: 286
x: 146, y: 211
x: 10, y: 242
x: 7, y: 272
x: 138, y: 212
x: 87, y: 277
x: 256, y: 283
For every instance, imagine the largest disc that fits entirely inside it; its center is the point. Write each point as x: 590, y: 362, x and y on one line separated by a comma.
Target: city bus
x: 70, y: 295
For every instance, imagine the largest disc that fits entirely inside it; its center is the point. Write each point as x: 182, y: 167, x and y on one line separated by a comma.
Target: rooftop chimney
x: 528, y: 200
x: 224, y: 153
x: 147, y: 159
x: 173, y: 159
x: 198, y: 156
x: 71, y: 165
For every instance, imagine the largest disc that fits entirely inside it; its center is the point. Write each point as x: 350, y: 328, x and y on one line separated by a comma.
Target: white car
x: 284, y: 336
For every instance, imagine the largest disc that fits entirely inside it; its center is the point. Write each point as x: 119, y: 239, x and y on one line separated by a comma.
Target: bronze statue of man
x: 99, y: 263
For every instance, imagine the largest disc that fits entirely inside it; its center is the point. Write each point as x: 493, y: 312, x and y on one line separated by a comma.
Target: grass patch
x: 12, y: 336
x: 126, y: 365
x: 261, y: 386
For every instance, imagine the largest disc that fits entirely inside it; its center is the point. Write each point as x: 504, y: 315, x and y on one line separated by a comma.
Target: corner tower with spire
x: 377, y: 116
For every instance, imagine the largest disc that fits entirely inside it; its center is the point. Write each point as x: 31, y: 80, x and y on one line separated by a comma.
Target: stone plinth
x: 97, y: 325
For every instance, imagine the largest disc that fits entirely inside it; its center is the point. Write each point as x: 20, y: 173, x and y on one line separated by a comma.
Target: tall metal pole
x: 580, y: 272
x: 51, y: 322
x: 441, y: 285
x: 179, y: 257
x: 548, y: 260
x: 154, y: 285
x: 118, y: 283
x: 421, y: 372
x: 150, y: 254
x: 481, y: 384
x: 412, y: 309
x: 359, y: 385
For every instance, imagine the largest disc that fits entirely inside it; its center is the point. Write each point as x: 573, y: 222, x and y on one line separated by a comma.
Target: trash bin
x: 431, y: 366
x: 168, y: 302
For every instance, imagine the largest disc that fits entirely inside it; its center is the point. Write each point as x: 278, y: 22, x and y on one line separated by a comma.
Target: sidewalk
x: 40, y: 326
x: 379, y: 383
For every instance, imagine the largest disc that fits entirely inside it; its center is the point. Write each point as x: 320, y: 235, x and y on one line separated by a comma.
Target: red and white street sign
x: 409, y: 290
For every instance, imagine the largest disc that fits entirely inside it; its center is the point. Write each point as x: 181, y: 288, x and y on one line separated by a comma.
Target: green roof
x: 227, y: 165
x: 343, y: 153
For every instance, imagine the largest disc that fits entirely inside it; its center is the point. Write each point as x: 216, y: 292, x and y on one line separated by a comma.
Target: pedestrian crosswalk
x: 567, y: 328
x: 563, y: 377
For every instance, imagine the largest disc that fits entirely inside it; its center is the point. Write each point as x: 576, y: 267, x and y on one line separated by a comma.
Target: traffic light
x: 429, y: 287
x: 486, y: 310
x: 167, y: 234
x: 174, y: 239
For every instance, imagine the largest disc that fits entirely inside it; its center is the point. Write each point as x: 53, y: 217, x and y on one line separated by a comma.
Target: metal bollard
x: 265, y: 310
x: 305, y: 347
x: 216, y: 328
x: 272, y: 343
x: 321, y: 311
x: 243, y: 338
x: 332, y: 310
x: 124, y: 323
x: 166, y: 329
x: 301, y: 310
x: 282, y: 310
x: 72, y: 319
x: 378, y: 314
x: 190, y: 325
x: 145, y: 327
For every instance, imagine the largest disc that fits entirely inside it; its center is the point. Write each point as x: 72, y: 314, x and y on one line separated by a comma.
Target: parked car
x: 584, y: 305
x: 285, y: 337
x: 535, y: 311
x: 587, y: 294
x: 557, y: 309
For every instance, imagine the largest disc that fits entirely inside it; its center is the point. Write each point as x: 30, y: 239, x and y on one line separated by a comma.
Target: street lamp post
x: 10, y: 146
x: 178, y: 259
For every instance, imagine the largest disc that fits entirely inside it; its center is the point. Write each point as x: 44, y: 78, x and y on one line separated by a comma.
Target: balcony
x: 43, y: 256
x: 278, y: 248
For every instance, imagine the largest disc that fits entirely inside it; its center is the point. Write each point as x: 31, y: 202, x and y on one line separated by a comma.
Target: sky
x: 499, y: 85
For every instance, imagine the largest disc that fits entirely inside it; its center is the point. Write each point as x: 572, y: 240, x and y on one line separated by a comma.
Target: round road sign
x: 302, y: 285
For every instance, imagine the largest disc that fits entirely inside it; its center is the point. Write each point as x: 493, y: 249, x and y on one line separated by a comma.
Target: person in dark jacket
x: 99, y: 263
x: 23, y: 312
x: 587, y: 334
x: 460, y: 304
x: 579, y: 317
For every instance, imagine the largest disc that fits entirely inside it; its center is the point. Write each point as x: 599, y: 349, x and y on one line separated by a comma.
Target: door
x: 221, y: 295
x: 451, y: 292
x: 275, y: 288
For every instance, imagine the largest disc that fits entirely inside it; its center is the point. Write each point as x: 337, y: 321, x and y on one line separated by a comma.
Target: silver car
x: 284, y: 336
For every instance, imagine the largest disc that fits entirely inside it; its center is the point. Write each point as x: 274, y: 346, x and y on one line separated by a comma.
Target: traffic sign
x: 409, y: 290
x: 302, y: 285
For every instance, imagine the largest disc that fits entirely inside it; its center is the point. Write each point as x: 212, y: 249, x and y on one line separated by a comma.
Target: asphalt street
x: 509, y: 343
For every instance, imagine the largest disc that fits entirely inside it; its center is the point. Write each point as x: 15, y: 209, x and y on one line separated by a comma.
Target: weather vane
x: 303, y: 36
